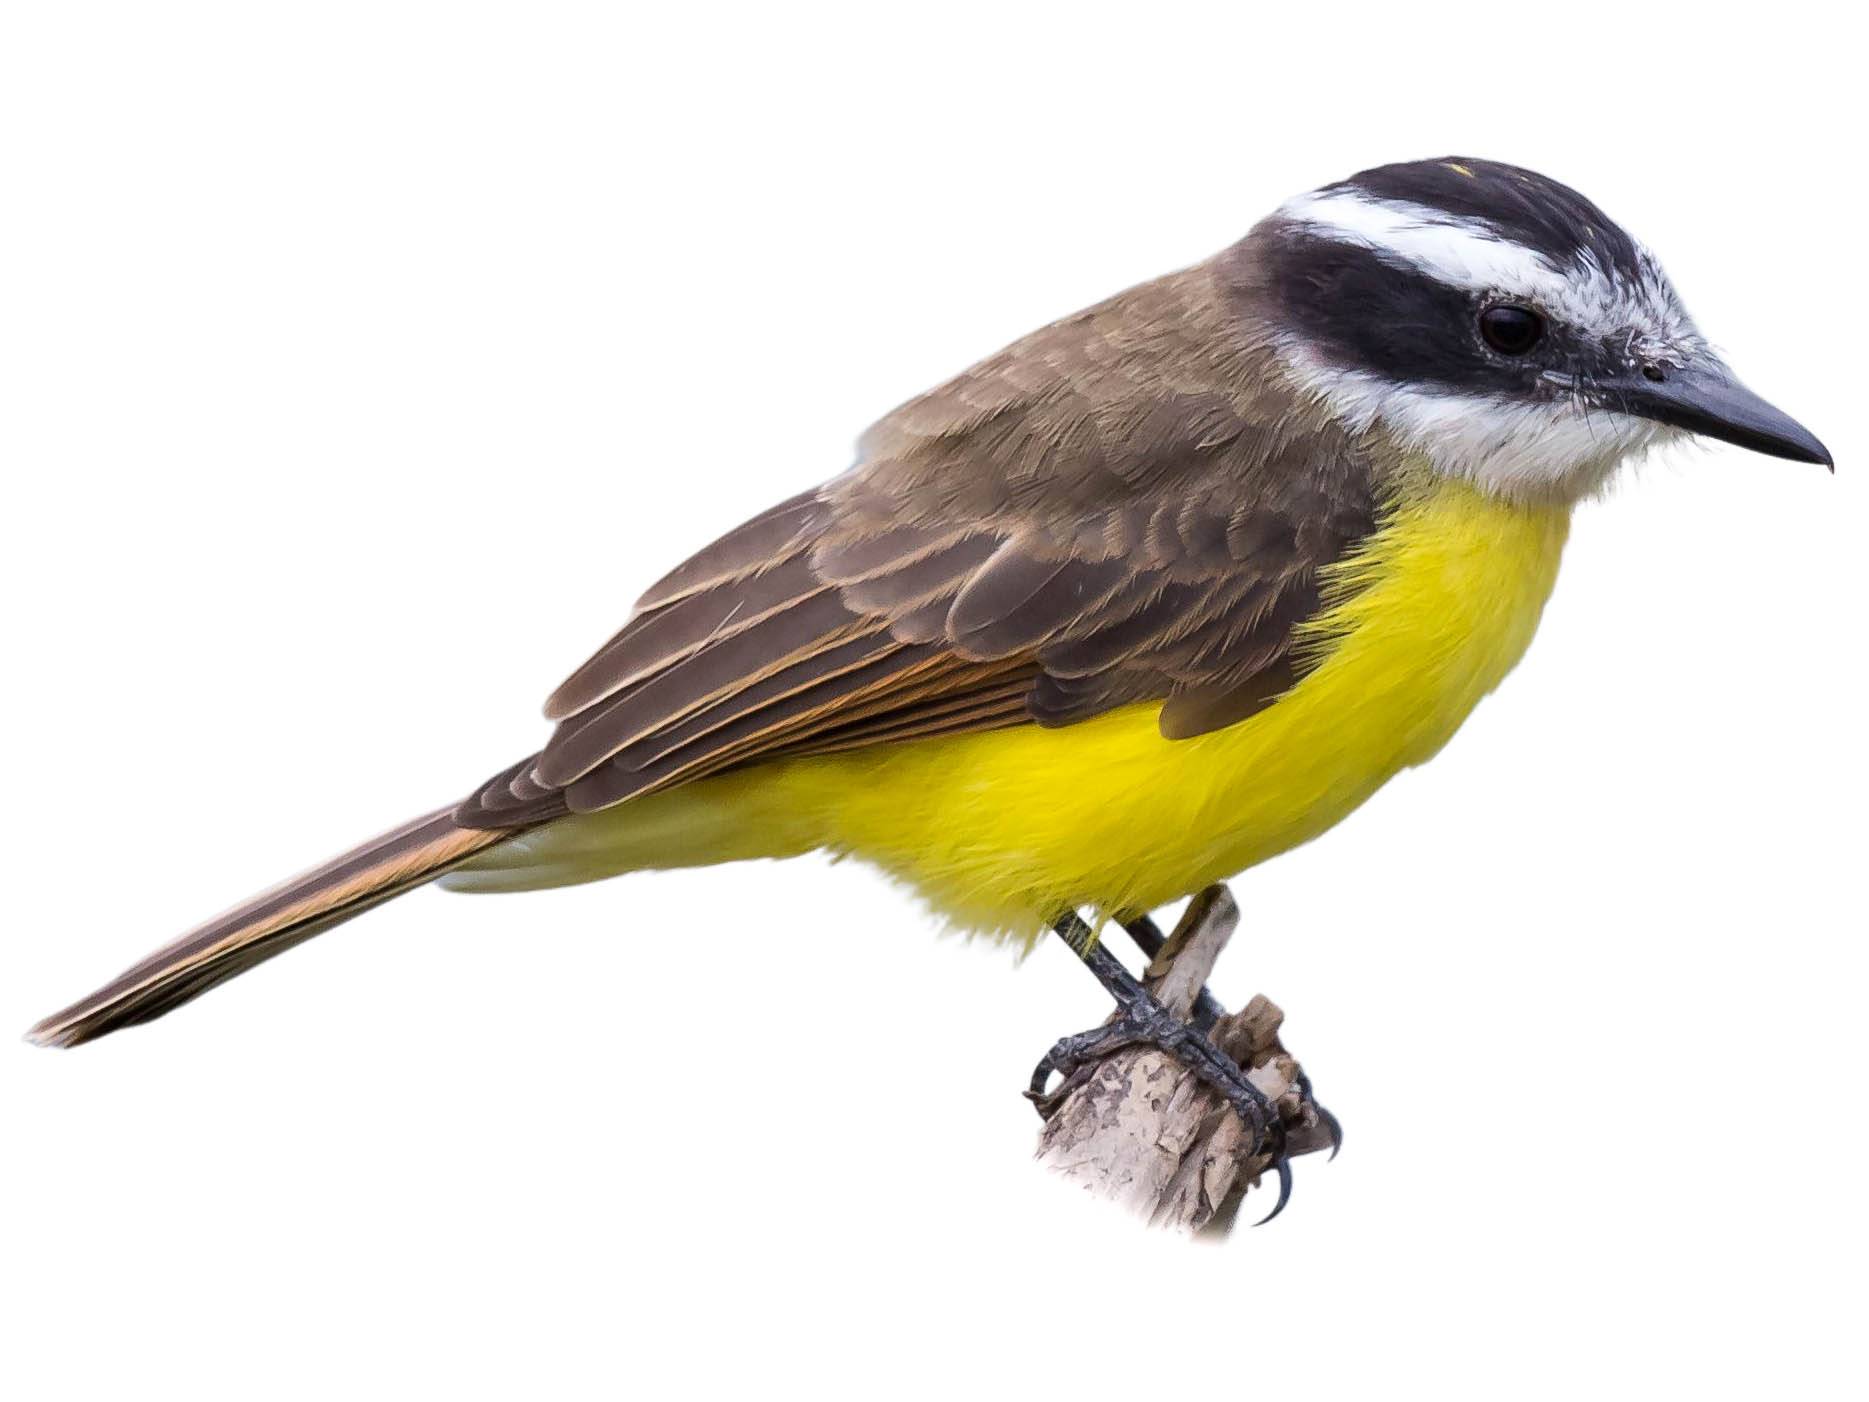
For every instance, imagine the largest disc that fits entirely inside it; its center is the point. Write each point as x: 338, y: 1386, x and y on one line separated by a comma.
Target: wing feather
x: 989, y: 709
x: 841, y: 672
x: 1105, y: 513
x: 762, y: 731
x: 587, y: 739
x: 744, y: 550
x: 653, y: 642
x: 1018, y: 603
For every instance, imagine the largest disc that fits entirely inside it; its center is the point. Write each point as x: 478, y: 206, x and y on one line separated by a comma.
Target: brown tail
x: 398, y: 861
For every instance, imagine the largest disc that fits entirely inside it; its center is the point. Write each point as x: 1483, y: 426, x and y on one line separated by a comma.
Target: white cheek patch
x: 1562, y: 450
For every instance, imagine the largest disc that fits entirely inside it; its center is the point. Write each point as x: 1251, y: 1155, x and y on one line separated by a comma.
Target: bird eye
x: 1511, y: 330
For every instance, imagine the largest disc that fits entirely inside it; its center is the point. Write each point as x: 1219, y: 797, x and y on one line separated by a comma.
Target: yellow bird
x: 1156, y: 593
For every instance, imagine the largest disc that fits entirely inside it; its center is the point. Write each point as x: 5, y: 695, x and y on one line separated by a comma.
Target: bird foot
x: 1238, y: 1057
x: 1145, y: 1022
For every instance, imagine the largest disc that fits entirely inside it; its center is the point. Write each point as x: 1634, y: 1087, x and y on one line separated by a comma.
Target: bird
x: 1154, y: 594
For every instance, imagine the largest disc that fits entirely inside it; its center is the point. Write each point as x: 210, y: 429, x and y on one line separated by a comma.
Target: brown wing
x: 1118, y: 508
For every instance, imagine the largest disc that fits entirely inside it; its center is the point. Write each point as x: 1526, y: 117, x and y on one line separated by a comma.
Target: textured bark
x: 1138, y: 1128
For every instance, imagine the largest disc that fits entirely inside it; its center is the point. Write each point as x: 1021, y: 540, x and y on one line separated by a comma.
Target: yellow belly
x: 1001, y: 831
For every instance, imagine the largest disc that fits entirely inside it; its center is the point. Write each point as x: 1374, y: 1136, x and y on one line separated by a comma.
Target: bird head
x: 1496, y: 324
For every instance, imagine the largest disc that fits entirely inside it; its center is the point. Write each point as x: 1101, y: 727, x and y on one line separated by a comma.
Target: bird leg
x: 1142, y: 1021
x: 1147, y: 936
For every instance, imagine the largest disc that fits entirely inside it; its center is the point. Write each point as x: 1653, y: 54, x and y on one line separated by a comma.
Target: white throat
x: 1563, y: 450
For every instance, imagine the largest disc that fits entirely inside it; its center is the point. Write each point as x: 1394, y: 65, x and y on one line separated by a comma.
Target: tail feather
x: 269, y: 924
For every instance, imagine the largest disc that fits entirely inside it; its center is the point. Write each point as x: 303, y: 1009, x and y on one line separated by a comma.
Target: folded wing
x: 1092, y: 518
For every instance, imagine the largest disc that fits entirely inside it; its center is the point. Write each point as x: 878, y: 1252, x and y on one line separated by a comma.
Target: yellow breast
x: 1001, y: 831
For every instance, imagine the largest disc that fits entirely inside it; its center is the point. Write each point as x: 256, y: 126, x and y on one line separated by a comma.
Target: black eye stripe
x: 1352, y: 308
x: 1363, y: 311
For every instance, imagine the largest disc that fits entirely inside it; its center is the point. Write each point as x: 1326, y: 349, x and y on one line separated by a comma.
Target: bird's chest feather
x: 1003, y: 828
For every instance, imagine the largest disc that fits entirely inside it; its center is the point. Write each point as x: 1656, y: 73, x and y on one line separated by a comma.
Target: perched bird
x: 1153, y: 594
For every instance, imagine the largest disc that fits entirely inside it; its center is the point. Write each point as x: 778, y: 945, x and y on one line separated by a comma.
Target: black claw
x: 1283, y: 1166
x: 1333, y: 1129
x: 1332, y: 1126
x: 1041, y: 1076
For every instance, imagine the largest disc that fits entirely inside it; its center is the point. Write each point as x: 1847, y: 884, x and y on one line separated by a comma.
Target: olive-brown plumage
x: 1129, y: 504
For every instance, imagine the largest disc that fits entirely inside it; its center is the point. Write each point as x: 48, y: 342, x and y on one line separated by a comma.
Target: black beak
x: 1710, y: 401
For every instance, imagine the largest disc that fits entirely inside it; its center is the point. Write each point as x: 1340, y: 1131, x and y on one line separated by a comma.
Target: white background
x: 358, y: 365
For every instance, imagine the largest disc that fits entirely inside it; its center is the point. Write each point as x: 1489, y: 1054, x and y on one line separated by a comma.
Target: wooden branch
x: 1138, y: 1128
